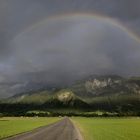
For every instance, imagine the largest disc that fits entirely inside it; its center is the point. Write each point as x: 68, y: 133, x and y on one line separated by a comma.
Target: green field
x: 91, y: 128
x: 13, y: 125
x: 109, y: 128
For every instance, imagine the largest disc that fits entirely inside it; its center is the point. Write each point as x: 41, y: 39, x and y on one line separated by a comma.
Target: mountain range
x: 96, y: 92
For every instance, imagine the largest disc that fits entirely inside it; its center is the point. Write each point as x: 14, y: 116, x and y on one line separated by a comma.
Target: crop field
x: 109, y: 128
x: 13, y: 125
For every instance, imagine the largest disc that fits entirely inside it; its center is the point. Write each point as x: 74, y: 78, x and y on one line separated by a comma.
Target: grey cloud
x: 30, y: 11
x: 61, y: 51
x: 93, y: 46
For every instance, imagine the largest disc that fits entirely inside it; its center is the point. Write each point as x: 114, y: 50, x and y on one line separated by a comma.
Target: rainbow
x: 86, y: 15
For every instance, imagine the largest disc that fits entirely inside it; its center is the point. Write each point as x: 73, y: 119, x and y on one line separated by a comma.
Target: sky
x: 55, y: 42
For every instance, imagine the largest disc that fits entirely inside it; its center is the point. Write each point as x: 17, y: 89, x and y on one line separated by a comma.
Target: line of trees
x: 59, y: 110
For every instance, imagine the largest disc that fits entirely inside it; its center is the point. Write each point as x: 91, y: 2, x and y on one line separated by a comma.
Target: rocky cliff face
x: 133, y: 87
x: 96, y: 83
x: 104, y: 85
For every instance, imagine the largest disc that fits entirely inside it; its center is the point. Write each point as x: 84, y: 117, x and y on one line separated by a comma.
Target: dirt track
x: 62, y: 130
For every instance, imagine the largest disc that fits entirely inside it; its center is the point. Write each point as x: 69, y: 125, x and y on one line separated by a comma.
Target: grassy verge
x: 13, y: 125
x: 109, y: 128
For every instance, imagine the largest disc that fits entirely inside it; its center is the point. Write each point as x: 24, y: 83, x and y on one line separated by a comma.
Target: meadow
x: 13, y: 125
x: 109, y: 128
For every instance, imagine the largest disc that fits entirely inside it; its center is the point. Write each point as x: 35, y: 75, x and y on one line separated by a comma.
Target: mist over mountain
x: 85, y: 89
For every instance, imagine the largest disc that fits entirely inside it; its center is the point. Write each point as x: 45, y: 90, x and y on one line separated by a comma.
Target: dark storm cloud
x: 3, y: 31
x: 83, y: 45
x: 30, y: 11
x: 60, y: 52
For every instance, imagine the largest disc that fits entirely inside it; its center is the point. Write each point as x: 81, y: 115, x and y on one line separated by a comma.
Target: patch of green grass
x: 13, y: 125
x: 109, y: 128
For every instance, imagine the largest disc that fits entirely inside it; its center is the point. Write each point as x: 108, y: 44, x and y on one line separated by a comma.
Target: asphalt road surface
x: 62, y: 130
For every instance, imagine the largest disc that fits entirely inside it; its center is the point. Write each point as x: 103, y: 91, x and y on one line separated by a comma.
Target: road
x: 62, y: 130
